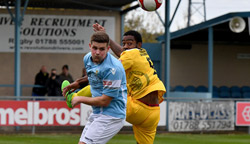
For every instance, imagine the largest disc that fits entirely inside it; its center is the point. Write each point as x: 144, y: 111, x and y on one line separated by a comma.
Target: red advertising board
x: 41, y: 113
x: 243, y: 114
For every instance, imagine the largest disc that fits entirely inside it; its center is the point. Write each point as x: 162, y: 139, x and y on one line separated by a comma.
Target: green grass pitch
x: 169, y: 138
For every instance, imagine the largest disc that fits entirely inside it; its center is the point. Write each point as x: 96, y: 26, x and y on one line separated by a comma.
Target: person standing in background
x: 40, y: 79
x: 65, y: 75
x: 53, y: 84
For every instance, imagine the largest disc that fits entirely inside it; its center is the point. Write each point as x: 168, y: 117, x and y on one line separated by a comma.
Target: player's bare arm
x: 75, y: 85
x: 116, y: 48
x: 103, y: 100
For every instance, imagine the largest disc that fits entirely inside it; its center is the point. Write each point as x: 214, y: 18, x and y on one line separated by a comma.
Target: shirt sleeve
x: 126, y: 59
x: 85, y: 59
x: 112, y: 82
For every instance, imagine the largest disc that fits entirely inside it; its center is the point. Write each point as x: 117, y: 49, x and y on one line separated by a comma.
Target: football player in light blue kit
x: 107, y: 80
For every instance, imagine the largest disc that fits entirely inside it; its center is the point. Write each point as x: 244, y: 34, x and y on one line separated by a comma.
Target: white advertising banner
x: 201, y: 116
x: 249, y: 25
x: 52, y: 33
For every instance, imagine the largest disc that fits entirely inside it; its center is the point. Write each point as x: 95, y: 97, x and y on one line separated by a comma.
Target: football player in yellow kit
x: 145, y: 89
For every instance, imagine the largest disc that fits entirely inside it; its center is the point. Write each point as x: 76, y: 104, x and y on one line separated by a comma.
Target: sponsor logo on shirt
x: 113, y: 84
x: 107, y: 83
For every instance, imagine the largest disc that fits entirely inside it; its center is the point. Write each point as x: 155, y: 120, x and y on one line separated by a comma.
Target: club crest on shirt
x: 96, y: 71
x: 113, y: 70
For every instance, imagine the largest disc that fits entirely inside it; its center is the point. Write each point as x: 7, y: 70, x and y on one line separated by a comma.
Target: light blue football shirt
x: 108, y: 78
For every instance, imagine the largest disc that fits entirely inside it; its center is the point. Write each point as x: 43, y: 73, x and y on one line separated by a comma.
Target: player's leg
x: 70, y: 95
x: 86, y: 127
x: 145, y: 132
x: 85, y: 92
x: 144, y: 119
x: 101, y: 129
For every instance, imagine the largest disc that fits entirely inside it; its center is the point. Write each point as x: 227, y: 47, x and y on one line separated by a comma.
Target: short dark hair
x: 65, y: 67
x: 134, y: 33
x: 100, y: 37
x: 53, y: 69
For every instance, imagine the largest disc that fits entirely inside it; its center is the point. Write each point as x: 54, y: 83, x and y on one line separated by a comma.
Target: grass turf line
x: 169, y: 138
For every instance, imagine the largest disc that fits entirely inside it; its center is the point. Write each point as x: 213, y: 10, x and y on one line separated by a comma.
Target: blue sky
x: 214, y: 8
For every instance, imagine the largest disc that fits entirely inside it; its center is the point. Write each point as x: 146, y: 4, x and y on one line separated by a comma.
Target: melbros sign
x: 50, y: 113
x: 42, y: 113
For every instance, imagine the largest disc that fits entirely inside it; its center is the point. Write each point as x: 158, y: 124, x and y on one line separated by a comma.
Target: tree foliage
x: 144, y: 25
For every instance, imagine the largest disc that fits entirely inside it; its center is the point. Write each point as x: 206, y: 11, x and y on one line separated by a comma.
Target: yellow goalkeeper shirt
x: 140, y: 74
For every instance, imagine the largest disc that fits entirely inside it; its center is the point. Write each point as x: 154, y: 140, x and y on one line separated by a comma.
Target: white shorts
x: 100, y: 129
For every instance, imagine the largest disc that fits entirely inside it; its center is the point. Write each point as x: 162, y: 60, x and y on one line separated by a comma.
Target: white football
x: 150, y: 5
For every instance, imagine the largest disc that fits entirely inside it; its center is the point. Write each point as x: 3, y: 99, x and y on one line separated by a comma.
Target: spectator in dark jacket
x: 53, y: 84
x: 40, y: 80
x: 65, y: 75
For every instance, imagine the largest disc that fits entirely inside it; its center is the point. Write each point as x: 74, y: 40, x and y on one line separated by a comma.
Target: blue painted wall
x: 155, y: 52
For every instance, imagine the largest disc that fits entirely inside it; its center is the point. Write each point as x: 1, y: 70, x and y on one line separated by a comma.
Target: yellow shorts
x: 144, y: 120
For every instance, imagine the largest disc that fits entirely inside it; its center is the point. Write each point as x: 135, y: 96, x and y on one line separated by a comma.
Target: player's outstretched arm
x: 103, y: 100
x: 116, y: 48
